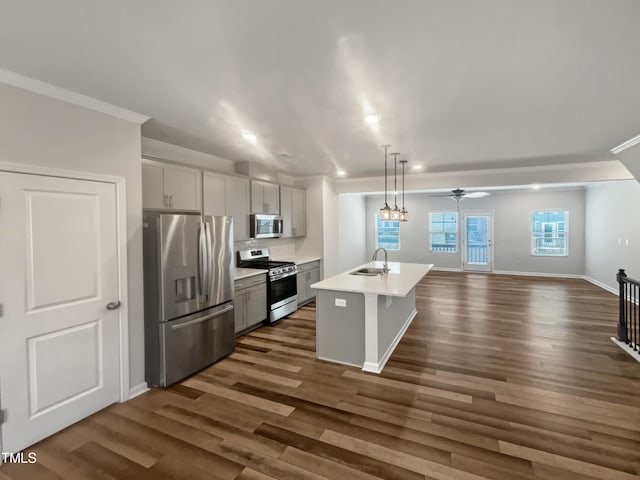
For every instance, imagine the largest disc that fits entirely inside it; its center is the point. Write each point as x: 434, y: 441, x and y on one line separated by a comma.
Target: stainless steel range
x: 282, y: 289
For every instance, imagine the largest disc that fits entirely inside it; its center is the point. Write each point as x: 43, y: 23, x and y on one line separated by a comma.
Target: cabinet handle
x: 171, y: 201
x: 165, y: 201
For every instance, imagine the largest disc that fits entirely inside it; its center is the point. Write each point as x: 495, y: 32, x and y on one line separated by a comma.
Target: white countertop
x: 402, y: 277
x: 247, y: 272
x: 298, y: 259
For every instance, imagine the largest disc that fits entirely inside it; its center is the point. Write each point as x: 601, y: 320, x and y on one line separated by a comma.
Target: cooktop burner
x: 259, y: 258
x: 267, y: 264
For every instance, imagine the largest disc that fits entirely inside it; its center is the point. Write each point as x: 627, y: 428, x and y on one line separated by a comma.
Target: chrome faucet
x: 375, y: 256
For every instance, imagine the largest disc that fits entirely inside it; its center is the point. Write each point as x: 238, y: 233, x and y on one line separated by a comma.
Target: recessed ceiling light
x: 536, y: 187
x: 249, y: 137
x: 341, y: 173
x: 417, y: 167
x: 372, y: 118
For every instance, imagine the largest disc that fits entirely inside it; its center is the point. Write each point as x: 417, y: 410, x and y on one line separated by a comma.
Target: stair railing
x: 629, y: 320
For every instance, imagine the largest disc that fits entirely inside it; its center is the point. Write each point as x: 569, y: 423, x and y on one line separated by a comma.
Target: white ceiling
x: 460, y: 84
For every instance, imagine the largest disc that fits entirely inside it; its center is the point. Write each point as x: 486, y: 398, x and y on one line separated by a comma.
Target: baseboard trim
x: 634, y: 354
x: 377, y: 367
x: 597, y: 283
x: 538, y: 274
x: 138, y: 390
x: 331, y: 360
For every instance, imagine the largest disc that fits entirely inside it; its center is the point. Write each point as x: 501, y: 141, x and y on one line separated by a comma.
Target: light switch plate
x: 341, y: 302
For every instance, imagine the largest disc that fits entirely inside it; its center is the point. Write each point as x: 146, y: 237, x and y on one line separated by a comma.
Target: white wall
x: 612, y: 215
x: 312, y: 244
x: 331, y: 239
x: 512, y: 230
x: 38, y: 130
x: 322, y: 223
x: 352, y: 231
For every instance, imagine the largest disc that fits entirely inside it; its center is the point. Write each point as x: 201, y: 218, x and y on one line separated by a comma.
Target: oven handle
x: 283, y: 275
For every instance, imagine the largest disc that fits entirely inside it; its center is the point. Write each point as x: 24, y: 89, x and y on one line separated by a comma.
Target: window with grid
x: 387, y: 233
x: 549, y: 232
x: 443, y: 230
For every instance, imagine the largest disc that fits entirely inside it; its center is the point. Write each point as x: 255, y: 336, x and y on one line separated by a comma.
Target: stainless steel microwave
x: 265, y: 226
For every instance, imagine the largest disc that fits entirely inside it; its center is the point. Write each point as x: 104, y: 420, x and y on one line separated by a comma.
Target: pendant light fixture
x: 404, y: 214
x: 385, y: 212
x: 395, y: 213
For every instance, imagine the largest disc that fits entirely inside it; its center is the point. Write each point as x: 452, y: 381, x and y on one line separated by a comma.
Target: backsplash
x: 283, y: 251
x: 278, y: 247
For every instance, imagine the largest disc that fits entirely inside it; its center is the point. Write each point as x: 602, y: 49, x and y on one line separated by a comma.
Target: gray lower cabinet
x: 250, y: 302
x: 308, y: 274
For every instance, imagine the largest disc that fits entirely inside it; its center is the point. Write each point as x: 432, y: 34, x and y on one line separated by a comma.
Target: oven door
x: 283, y: 289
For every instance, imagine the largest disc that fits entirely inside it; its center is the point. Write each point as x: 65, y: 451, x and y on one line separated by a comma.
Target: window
x: 444, y: 232
x: 387, y: 233
x: 549, y: 229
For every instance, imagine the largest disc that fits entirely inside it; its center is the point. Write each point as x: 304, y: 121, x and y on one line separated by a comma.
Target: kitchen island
x: 361, y: 319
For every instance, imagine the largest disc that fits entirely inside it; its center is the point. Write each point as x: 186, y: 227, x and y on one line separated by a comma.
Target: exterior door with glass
x: 477, y: 239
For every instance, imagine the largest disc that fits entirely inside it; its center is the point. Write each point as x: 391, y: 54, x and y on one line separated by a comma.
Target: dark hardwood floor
x: 498, y: 377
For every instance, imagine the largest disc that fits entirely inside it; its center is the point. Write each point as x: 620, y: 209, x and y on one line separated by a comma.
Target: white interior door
x: 477, y: 238
x: 59, y: 343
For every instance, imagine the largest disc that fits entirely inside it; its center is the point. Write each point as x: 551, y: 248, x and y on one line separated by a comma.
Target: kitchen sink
x: 370, y: 272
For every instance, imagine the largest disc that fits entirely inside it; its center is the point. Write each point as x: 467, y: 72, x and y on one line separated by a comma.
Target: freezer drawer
x: 194, y: 342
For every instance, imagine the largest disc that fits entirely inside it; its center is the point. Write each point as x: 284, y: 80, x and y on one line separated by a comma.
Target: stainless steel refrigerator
x: 188, y: 294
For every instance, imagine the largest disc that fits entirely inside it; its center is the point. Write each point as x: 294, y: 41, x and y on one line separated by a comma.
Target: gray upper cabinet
x: 169, y: 187
x: 293, y: 208
x: 227, y: 195
x: 214, y: 199
x: 265, y: 197
x: 237, y: 195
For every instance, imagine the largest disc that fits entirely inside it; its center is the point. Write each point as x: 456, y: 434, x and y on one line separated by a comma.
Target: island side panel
x: 393, y: 315
x: 340, y: 330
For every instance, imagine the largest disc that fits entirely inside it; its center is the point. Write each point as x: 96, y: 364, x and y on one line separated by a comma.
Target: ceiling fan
x: 459, y: 194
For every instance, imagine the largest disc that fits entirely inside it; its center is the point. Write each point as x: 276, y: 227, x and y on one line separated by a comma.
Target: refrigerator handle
x: 209, y: 270
x: 201, y: 261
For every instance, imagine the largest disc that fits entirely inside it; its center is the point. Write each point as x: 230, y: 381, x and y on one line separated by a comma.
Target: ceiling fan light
x: 477, y: 194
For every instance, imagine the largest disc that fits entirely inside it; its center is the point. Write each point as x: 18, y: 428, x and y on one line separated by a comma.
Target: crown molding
x: 491, y: 171
x: 626, y: 145
x: 42, y: 88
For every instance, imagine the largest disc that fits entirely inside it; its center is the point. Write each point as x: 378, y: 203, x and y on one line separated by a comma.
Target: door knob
x: 113, y: 305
